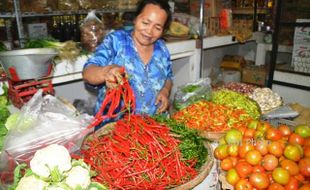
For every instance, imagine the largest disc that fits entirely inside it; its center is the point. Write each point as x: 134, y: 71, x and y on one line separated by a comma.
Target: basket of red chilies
x: 139, y: 152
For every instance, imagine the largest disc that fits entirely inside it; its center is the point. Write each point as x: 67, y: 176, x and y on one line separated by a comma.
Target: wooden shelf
x: 249, y: 11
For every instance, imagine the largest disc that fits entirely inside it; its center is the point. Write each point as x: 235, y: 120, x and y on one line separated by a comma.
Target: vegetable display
x: 208, y: 116
x: 266, y: 99
x: 236, y: 100
x: 265, y: 156
x: 52, y: 168
x: 138, y: 154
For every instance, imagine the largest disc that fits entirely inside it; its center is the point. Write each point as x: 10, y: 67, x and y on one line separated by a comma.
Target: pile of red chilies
x: 138, y: 154
x: 112, y: 101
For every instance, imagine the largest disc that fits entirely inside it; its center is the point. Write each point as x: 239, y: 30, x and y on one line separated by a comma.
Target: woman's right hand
x: 114, y: 76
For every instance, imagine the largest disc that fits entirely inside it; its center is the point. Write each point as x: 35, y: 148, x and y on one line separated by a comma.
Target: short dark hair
x: 163, y: 4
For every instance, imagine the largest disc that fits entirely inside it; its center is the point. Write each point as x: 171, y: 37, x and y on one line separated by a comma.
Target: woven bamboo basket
x: 203, y: 171
x: 213, y: 136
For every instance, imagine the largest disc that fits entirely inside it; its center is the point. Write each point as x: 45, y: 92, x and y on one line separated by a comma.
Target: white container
x: 25, y: 64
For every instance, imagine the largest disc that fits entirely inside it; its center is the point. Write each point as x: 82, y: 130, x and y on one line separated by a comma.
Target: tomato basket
x: 202, y: 173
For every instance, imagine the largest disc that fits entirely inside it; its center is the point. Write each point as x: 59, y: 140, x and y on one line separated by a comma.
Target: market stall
x: 223, y: 130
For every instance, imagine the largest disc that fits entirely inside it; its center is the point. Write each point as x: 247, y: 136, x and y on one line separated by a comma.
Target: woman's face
x: 149, y: 25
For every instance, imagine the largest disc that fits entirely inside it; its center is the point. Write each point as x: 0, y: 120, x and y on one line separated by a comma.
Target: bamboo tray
x: 203, y: 171
x: 213, y: 136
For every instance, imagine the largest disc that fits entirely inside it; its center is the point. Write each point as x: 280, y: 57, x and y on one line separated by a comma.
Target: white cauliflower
x: 31, y: 183
x: 47, y: 159
x: 78, y: 176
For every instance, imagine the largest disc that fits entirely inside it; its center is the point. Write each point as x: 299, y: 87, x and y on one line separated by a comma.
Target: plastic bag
x: 192, y: 92
x: 92, y: 31
x: 41, y: 122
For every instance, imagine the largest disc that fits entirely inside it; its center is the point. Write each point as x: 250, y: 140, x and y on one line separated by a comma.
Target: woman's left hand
x: 162, y: 100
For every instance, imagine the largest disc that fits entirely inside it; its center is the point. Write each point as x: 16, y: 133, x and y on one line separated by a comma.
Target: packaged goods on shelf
x: 301, y: 48
x: 68, y: 5
x: 37, y: 6
x: 6, y: 5
x: 85, y: 4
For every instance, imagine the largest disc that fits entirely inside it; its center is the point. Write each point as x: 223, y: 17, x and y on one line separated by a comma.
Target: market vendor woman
x: 144, y: 56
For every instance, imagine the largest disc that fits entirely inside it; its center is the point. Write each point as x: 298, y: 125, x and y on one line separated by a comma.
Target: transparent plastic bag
x: 192, y: 92
x: 92, y: 31
x: 44, y: 120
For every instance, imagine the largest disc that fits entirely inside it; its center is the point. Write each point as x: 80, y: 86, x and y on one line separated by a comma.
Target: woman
x: 143, y: 54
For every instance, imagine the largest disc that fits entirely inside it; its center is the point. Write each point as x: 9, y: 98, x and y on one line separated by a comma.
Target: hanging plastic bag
x: 192, y: 92
x: 44, y: 120
x: 92, y: 31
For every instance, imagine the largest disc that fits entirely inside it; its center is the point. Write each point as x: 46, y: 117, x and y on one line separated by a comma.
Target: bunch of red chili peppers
x: 138, y: 154
x: 113, y: 103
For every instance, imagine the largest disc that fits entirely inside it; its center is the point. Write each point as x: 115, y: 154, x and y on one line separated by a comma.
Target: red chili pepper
x: 138, y: 154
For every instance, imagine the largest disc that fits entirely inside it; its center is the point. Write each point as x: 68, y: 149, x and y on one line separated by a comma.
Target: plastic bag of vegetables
x: 44, y: 120
x: 192, y: 92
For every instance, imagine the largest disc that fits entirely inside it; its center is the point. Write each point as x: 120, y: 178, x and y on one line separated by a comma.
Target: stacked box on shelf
x: 301, y: 48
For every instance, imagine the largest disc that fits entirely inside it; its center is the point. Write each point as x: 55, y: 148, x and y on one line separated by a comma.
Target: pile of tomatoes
x: 260, y: 156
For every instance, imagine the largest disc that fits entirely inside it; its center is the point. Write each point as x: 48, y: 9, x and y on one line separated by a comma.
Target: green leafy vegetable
x: 18, y: 174
x: 2, y: 47
x: 68, y: 50
x: 190, y: 88
x: 192, y: 145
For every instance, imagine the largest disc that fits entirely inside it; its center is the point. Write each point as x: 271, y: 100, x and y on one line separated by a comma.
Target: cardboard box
x: 254, y: 75
x: 232, y: 62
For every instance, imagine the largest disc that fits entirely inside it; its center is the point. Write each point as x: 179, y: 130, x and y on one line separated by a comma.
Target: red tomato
x: 234, y: 160
x: 233, y: 149
x: 276, y: 186
x: 300, y: 178
x: 290, y: 166
x: 253, y: 157
x: 226, y: 164
x: 243, y: 184
x: 259, y: 134
x: 293, y: 152
x: 249, y: 133
x: 273, y: 134
x: 258, y: 168
x: 275, y: 148
x: 244, y: 148
x: 221, y: 152
x: 296, y: 139
x: 244, y: 169
x: 306, y: 151
x: 261, y: 146
x: 269, y: 162
x: 281, y: 176
x: 292, y: 184
x: 264, y: 126
x: 307, y: 141
x: 285, y: 130
x: 232, y: 176
x: 305, y: 187
x: 259, y: 180
x: 304, y: 167
x: 253, y: 124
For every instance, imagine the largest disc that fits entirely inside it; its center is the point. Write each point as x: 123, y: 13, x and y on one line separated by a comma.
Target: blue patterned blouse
x: 146, y: 80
